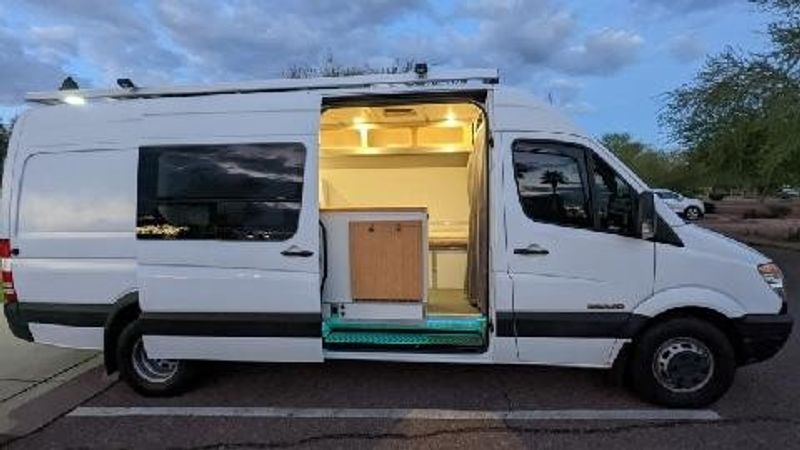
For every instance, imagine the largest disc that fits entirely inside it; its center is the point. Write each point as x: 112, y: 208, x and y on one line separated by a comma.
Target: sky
x: 607, y: 63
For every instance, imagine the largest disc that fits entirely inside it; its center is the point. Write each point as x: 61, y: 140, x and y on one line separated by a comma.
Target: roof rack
x: 486, y: 76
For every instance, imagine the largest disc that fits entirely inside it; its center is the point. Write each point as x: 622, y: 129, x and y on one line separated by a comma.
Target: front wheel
x: 683, y: 363
x: 693, y: 213
x: 151, y: 377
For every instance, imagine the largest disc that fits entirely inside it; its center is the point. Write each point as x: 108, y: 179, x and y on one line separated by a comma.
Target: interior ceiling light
x: 450, y: 119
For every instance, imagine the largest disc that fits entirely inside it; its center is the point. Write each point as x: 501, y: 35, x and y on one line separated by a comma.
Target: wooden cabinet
x: 386, y: 260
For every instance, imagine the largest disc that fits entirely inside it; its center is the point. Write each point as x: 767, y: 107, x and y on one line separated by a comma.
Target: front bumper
x: 16, y: 323
x: 761, y: 336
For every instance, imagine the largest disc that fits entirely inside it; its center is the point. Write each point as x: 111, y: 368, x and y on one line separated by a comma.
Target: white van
x: 416, y: 217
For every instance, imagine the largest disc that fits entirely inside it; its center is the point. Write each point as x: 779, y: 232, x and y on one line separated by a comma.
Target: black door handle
x: 300, y: 253
x: 531, y: 250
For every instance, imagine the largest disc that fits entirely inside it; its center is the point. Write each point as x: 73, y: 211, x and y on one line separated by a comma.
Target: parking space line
x: 393, y: 413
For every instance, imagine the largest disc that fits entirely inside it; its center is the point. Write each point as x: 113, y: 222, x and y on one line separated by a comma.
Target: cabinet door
x: 386, y: 260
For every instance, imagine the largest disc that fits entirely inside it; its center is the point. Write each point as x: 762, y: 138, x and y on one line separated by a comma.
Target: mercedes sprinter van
x: 417, y: 217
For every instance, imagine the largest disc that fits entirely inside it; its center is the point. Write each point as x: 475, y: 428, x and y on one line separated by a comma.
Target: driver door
x: 577, y: 271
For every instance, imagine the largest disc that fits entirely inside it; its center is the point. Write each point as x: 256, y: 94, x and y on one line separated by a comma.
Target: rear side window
x: 78, y: 192
x: 223, y: 192
x: 551, y: 183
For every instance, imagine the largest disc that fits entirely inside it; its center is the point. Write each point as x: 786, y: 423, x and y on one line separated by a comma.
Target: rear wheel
x: 149, y: 376
x: 693, y: 213
x: 683, y: 363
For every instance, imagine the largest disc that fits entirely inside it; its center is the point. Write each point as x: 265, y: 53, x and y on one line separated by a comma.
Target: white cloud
x: 602, y: 53
x: 681, y: 6
x: 686, y: 48
x: 21, y: 70
x: 170, y: 41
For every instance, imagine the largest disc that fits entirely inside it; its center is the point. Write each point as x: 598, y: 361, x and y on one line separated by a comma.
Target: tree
x: 658, y: 168
x: 553, y: 178
x: 738, y: 117
x: 4, y: 137
x: 623, y: 145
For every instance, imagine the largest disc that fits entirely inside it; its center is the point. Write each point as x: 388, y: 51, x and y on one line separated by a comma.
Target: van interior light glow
x: 74, y: 100
x: 450, y: 120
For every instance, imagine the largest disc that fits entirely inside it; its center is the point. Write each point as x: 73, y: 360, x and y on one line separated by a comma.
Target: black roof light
x: 69, y: 85
x: 126, y: 83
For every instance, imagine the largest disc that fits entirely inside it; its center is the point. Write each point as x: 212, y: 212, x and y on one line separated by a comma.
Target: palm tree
x: 553, y: 178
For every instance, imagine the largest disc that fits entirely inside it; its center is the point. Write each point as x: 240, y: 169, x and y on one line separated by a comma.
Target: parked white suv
x: 689, y: 208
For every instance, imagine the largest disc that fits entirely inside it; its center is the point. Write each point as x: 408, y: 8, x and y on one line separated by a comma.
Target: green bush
x: 771, y: 212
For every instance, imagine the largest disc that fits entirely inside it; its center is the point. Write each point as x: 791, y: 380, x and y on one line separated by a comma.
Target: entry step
x: 438, y: 334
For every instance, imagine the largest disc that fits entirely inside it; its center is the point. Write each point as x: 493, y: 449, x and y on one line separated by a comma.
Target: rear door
x: 227, y: 228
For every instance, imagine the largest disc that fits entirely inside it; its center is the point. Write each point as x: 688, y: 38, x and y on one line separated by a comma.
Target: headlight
x: 773, y: 276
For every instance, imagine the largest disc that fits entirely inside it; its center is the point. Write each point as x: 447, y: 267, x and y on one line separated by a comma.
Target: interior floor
x: 449, y: 301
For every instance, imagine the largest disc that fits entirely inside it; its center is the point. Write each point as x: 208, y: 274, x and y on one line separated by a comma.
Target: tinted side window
x: 228, y: 192
x: 551, y: 183
x: 615, y: 200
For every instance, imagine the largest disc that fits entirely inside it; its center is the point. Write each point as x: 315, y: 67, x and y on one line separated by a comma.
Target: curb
x: 47, y: 402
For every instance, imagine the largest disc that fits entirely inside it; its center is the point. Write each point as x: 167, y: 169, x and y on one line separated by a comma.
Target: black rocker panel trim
x: 233, y: 324
x: 574, y: 325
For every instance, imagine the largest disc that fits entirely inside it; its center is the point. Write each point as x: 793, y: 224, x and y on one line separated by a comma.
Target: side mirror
x: 646, y: 216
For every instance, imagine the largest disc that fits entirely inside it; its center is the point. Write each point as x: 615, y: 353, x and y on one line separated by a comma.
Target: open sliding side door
x: 227, y: 227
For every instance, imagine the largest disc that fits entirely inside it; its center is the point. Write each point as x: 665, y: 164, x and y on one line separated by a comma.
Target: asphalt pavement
x: 381, y: 405
x: 29, y: 370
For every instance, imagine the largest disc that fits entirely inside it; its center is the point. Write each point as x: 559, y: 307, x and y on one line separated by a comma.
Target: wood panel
x: 386, y: 260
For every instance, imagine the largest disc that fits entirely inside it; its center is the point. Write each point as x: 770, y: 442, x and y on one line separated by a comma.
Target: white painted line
x: 409, y: 414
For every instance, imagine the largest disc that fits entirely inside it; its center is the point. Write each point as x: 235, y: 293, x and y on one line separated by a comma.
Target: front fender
x: 689, y: 296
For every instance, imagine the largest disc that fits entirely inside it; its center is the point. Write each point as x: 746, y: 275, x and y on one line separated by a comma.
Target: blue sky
x: 606, y: 62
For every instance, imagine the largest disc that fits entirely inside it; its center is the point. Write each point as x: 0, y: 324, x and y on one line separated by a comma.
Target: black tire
x: 146, y: 376
x: 683, y: 347
x: 693, y: 213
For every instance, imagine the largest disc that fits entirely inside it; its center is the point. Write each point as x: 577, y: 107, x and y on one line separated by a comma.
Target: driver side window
x: 615, y: 200
x: 571, y: 186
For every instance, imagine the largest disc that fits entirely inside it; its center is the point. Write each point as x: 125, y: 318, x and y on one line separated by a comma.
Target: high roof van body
x: 419, y: 218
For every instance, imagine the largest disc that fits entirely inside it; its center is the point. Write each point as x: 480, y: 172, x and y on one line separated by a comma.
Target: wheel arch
x: 711, y: 306
x: 126, y: 309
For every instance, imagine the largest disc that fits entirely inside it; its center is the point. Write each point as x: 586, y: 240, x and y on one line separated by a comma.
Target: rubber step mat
x: 429, y: 325
x: 401, y: 339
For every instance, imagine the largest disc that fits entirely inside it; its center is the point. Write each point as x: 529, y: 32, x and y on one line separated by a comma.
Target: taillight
x: 9, y: 293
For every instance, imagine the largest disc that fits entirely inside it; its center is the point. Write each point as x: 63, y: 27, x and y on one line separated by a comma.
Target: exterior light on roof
x: 69, y: 84
x: 74, y: 100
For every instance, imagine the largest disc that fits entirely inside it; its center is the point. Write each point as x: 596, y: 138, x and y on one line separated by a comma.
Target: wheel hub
x: 683, y: 365
x: 152, y: 369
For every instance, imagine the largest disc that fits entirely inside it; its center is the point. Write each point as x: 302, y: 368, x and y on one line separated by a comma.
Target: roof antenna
x: 126, y: 83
